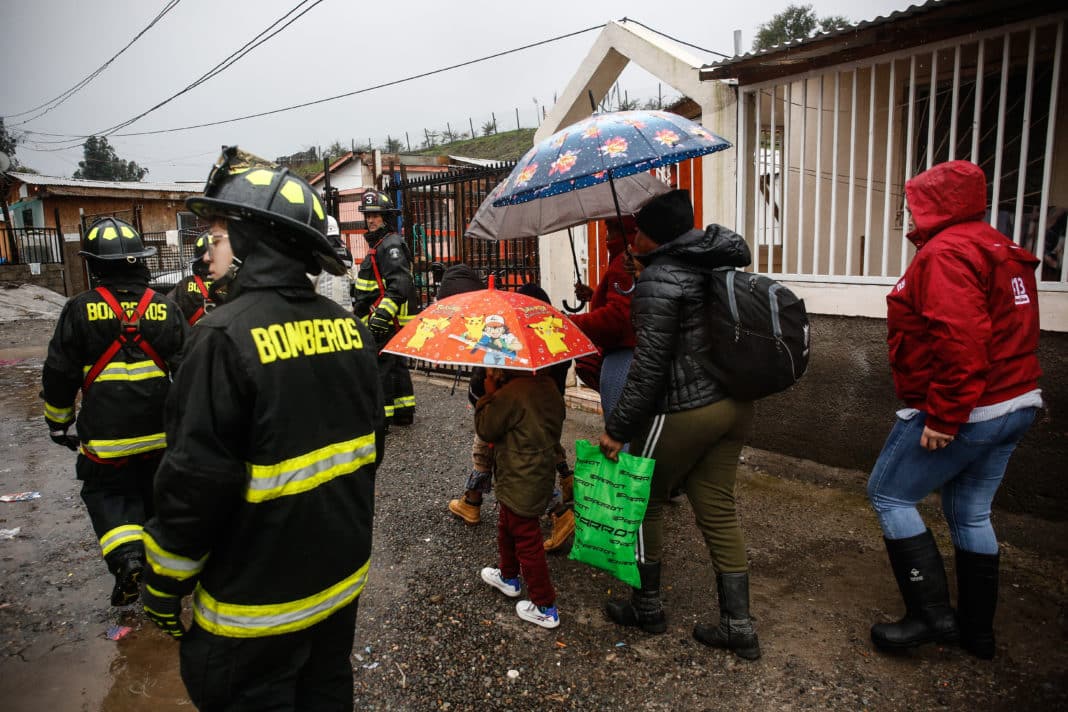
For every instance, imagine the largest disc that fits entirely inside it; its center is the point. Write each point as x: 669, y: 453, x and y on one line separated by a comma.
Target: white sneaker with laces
x: 545, y: 616
x: 509, y: 587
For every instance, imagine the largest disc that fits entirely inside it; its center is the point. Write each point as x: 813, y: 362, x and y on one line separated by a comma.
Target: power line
x: 350, y: 93
x: 220, y: 67
x: 56, y: 101
x: 225, y: 64
x: 675, y: 39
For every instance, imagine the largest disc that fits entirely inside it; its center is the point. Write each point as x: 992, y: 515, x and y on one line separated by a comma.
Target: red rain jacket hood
x: 963, y: 320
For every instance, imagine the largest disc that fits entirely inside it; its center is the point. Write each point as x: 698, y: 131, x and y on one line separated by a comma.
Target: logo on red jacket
x: 1019, y: 291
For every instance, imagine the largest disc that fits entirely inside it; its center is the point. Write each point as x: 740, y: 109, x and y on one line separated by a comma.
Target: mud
x: 431, y: 635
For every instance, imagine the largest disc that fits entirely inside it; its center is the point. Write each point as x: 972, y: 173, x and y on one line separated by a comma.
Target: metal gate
x: 436, y: 211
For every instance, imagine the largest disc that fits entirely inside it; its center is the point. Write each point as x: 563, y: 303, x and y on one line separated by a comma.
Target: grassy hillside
x: 504, y: 146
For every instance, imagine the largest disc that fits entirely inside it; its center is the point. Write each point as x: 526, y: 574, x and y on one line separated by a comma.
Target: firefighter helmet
x: 377, y: 202
x: 114, y: 239
x: 242, y: 186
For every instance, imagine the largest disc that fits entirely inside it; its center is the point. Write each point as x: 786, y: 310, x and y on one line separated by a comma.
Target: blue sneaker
x: 508, y: 586
x: 545, y: 616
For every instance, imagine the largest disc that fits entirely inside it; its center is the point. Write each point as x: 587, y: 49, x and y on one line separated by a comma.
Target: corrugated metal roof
x: 896, y: 16
x: 37, y: 179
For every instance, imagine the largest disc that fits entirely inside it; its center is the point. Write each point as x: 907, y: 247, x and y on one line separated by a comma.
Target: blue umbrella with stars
x: 604, y: 147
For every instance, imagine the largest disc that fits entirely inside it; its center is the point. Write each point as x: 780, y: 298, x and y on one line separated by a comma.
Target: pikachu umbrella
x: 492, y: 328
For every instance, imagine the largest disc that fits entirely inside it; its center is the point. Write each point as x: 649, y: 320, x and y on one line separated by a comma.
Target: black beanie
x: 666, y: 216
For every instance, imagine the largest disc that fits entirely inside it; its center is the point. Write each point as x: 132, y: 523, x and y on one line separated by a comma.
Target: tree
x: 793, y: 23
x: 9, y: 143
x: 102, y: 163
x: 489, y: 128
x: 335, y: 150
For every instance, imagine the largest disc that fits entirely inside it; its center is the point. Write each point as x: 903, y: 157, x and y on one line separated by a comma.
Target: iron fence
x: 26, y: 245
x: 171, y: 263
x: 437, y: 210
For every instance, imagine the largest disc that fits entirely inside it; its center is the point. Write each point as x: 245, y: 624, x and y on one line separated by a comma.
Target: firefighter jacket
x: 384, y: 280
x: 191, y: 295
x: 122, y: 409
x: 265, y: 498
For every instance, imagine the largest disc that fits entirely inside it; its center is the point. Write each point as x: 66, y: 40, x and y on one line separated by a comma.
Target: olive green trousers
x: 698, y: 451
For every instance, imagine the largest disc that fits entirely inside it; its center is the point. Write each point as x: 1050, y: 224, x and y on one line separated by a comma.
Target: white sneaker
x: 545, y: 616
x: 509, y: 587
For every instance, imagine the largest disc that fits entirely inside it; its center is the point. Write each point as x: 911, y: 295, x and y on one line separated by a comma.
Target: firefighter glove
x: 381, y: 322
x: 164, y: 610
x: 60, y: 437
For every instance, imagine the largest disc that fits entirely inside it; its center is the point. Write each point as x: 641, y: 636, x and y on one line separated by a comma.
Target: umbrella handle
x: 574, y: 257
x: 574, y: 310
x: 624, y: 292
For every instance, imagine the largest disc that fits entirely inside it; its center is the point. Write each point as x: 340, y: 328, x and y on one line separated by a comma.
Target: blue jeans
x: 614, y: 368
x: 969, y: 471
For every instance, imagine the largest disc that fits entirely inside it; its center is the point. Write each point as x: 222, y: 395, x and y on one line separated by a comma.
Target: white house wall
x: 617, y: 45
x: 831, y: 183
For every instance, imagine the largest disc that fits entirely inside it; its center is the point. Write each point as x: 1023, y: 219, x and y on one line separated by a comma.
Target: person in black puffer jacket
x: 674, y: 411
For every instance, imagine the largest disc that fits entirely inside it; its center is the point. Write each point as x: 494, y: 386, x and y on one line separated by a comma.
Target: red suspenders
x: 130, y: 333
x: 204, y: 292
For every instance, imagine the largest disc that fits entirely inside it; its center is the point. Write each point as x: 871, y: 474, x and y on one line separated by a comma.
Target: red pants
x: 520, y: 551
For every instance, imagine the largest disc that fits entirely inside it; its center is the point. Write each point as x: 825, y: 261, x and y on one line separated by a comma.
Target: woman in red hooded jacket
x: 608, y: 321
x: 963, y: 334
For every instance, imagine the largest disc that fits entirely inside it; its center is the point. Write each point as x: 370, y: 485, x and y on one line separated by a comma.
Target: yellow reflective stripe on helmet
x: 124, y: 447
x: 366, y: 285
x: 308, y: 471
x: 389, y: 305
x: 168, y: 564
x: 119, y: 536
x: 133, y: 371
x: 404, y: 402
x: 233, y: 620
x: 59, y: 415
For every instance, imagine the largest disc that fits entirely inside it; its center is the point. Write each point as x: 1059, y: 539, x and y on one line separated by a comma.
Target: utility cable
x: 56, y: 101
x: 221, y: 66
x: 675, y: 39
x: 354, y: 92
x: 225, y: 64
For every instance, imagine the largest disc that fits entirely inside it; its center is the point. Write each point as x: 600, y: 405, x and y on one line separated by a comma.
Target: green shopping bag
x: 610, y: 501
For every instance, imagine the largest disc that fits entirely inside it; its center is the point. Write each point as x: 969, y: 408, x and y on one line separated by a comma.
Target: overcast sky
x: 47, y: 46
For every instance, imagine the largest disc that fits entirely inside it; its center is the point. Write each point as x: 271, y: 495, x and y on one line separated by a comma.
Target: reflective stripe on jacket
x: 265, y: 497
x: 122, y: 414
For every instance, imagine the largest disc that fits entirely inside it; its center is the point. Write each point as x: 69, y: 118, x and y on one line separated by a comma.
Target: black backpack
x: 759, y: 333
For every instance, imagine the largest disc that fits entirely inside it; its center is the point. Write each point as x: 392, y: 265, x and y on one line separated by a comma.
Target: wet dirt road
x: 432, y: 636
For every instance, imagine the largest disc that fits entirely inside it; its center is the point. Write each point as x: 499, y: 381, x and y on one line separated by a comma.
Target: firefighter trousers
x: 119, y: 500
x: 397, y: 390
x: 308, y: 670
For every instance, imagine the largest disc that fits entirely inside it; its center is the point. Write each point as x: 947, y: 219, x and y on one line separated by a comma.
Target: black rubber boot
x: 977, y: 599
x: 127, y: 580
x: 644, y: 609
x: 735, y: 631
x: 921, y: 578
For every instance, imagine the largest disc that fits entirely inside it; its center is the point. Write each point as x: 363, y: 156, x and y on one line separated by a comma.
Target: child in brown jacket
x: 522, y: 414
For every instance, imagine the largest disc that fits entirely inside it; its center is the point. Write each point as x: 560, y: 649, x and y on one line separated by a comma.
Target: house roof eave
x: 917, y: 25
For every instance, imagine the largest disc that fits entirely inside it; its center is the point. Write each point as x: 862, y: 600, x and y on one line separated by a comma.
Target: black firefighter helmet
x: 114, y: 239
x: 243, y: 186
x: 378, y: 203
